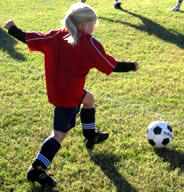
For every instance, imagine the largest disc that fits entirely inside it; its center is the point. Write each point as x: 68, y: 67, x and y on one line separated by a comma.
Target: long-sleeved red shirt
x: 67, y: 66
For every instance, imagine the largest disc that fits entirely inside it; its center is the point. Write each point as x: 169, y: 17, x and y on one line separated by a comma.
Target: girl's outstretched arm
x: 15, y: 31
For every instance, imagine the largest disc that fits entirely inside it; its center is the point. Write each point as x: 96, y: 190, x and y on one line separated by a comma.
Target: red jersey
x: 66, y: 66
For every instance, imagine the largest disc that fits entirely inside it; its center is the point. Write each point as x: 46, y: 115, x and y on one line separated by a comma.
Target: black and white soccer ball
x: 159, y: 134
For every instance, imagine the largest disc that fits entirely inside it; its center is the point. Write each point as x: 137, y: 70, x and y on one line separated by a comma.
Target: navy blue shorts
x: 65, y: 118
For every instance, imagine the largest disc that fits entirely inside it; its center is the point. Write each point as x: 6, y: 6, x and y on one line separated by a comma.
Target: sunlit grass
x: 145, y: 31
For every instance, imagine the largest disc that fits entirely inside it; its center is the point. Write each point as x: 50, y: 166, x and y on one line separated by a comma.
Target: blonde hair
x: 78, y: 13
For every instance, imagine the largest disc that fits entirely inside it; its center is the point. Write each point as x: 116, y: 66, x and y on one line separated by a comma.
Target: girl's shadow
x: 7, y: 44
x: 107, y: 164
x: 175, y: 158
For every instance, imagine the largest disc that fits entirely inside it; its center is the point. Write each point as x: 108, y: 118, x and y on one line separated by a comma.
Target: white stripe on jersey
x: 38, y: 33
x: 39, y: 38
x: 91, y: 39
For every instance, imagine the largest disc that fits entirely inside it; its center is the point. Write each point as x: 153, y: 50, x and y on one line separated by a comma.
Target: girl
x: 69, y: 53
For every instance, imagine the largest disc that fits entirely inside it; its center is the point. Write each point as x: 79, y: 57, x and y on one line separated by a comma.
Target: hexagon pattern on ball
x: 159, y: 134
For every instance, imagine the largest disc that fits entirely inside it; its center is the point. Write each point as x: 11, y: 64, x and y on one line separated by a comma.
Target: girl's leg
x: 87, y: 116
x: 116, y: 1
x: 117, y: 4
x: 64, y: 120
x: 48, y: 150
x: 178, y: 5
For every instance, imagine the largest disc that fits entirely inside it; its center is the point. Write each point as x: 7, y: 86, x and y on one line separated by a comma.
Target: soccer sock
x: 47, y: 152
x: 116, y: 1
x: 87, y: 117
x: 179, y: 3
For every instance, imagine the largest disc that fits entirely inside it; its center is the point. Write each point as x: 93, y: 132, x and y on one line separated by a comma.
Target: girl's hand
x: 9, y: 24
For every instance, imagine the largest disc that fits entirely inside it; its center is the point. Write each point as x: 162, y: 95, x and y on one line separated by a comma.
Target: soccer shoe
x: 177, y: 8
x: 117, y: 6
x: 40, y: 176
x: 98, y: 138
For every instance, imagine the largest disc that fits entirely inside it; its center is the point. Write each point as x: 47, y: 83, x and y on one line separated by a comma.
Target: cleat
x: 40, y: 176
x: 117, y: 6
x: 98, y: 138
x: 177, y: 8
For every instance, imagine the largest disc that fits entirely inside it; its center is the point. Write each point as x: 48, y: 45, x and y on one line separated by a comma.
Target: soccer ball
x: 159, y: 134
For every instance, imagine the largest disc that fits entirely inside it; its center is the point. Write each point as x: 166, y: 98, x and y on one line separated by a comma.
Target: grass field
x: 146, y: 31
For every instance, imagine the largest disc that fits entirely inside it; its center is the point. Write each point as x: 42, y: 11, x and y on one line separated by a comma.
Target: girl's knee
x: 89, y: 100
x: 58, y: 135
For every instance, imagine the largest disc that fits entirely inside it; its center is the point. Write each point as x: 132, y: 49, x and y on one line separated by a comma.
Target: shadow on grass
x: 7, y: 44
x: 152, y: 28
x: 107, y: 164
x: 43, y: 189
x: 175, y: 158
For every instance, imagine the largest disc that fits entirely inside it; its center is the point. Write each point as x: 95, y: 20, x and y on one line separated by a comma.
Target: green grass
x: 146, y: 31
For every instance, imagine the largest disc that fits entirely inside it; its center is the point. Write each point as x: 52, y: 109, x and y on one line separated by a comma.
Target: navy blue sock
x: 47, y: 152
x: 87, y: 117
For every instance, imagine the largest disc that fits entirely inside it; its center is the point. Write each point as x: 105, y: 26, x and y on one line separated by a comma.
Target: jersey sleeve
x: 102, y: 61
x: 37, y: 41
